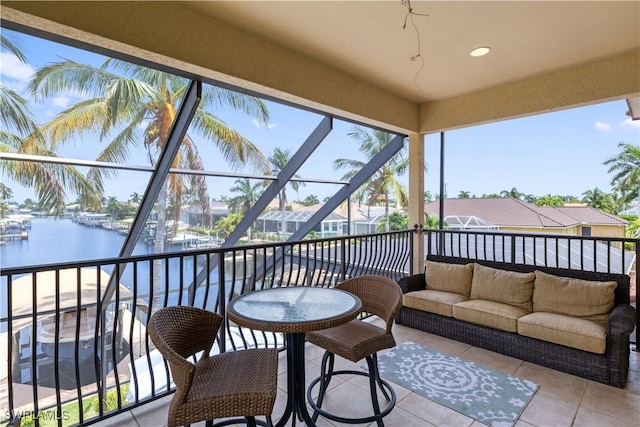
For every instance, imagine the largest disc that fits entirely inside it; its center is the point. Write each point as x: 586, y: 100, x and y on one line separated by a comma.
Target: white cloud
x: 61, y: 101
x: 630, y: 124
x: 601, y: 126
x: 15, y: 85
x: 11, y: 67
x: 258, y: 124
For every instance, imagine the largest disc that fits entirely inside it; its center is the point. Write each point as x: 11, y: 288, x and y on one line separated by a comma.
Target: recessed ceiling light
x: 480, y: 51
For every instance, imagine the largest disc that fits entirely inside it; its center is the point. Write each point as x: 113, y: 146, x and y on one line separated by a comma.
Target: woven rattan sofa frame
x: 610, y: 368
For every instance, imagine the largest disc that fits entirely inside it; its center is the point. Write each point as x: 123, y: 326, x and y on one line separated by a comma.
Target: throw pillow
x: 507, y: 287
x: 456, y: 278
x: 587, y: 299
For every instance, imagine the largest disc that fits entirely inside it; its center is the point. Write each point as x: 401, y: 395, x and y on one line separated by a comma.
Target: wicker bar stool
x: 235, y: 384
x: 357, y: 340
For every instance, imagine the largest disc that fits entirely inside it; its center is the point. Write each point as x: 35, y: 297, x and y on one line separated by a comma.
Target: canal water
x: 52, y: 240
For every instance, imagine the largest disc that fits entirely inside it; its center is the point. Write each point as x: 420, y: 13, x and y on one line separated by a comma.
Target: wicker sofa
x: 553, y: 317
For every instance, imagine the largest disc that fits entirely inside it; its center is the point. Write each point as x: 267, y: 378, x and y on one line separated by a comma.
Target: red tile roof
x: 510, y: 212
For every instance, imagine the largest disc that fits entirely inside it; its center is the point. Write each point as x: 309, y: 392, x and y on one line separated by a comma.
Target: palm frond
x: 86, y: 116
x: 50, y: 181
x: 10, y: 142
x: 70, y: 76
x: 237, y: 150
x: 15, y: 112
x: 12, y: 47
x: 254, y: 107
x: 124, y: 95
x: 117, y: 150
x: 153, y: 77
x: 626, y: 169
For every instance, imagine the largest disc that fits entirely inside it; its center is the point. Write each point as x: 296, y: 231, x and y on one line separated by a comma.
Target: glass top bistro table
x: 294, y: 311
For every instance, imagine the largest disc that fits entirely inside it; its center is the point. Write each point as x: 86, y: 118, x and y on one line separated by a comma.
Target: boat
x: 62, y: 318
x: 92, y: 219
x: 12, y: 227
x: 75, y: 326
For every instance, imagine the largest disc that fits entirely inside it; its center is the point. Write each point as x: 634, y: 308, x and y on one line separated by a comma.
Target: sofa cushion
x: 508, y: 287
x: 446, y: 277
x: 438, y: 302
x: 489, y: 313
x: 564, y: 330
x: 589, y: 300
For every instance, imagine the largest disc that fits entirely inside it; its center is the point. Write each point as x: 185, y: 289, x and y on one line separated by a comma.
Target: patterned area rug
x: 491, y: 397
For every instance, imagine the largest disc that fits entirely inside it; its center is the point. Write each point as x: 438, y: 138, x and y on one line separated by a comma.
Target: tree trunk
x: 386, y: 212
x: 159, y: 244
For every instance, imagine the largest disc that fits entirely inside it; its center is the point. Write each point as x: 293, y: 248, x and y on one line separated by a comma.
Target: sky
x: 558, y: 153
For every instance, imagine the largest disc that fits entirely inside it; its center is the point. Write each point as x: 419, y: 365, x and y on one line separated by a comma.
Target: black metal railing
x: 77, y: 350
x: 76, y: 346
x: 603, y: 254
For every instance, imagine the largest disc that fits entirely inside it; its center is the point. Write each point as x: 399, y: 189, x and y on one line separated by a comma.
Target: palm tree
x: 310, y: 200
x: 278, y: 160
x: 512, y: 193
x: 134, y: 197
x: 626, y: 168
x: 432, y: 222
x: 20, y: 134
x: 464, y: 195
x: 123, y: 98
x: 383, y: 183
x: 249, y: 194
x: 549, y: 200
x: 598, y: 199
x: 5, y: 192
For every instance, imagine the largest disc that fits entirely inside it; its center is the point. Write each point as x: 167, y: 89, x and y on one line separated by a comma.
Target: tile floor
x: 561, y: 400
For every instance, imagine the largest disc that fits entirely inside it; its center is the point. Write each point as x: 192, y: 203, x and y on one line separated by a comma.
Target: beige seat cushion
x: 489, y: 313
x: 508, y: 287
x: 564, y: 330
x: 438, y: 302
x: 456, y: 278
x: 589, y: 300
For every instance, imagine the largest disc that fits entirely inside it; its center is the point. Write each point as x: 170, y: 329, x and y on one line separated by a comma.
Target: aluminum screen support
x: 271, y: 192
x: 376, y: 162
x: 390, y: 150
x: 297, y: 160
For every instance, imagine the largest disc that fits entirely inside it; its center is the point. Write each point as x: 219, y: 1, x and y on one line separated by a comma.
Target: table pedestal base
x: 296, y: 393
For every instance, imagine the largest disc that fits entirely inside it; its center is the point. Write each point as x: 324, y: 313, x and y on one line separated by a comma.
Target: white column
x: 416, y: 196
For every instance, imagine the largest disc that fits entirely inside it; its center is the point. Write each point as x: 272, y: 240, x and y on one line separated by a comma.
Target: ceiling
x: 354, y: 59
x: 367, y: 38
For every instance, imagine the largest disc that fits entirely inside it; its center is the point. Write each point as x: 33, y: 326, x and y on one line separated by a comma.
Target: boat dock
x: 15, y: 227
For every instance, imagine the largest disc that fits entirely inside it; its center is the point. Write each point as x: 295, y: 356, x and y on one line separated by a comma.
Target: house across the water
x: 510, y: 214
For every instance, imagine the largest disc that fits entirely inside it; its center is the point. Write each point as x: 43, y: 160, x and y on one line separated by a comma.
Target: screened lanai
x: 272, y: 222
x: 374, y: 64
x: 468, y: 222
x: 331, y: 63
